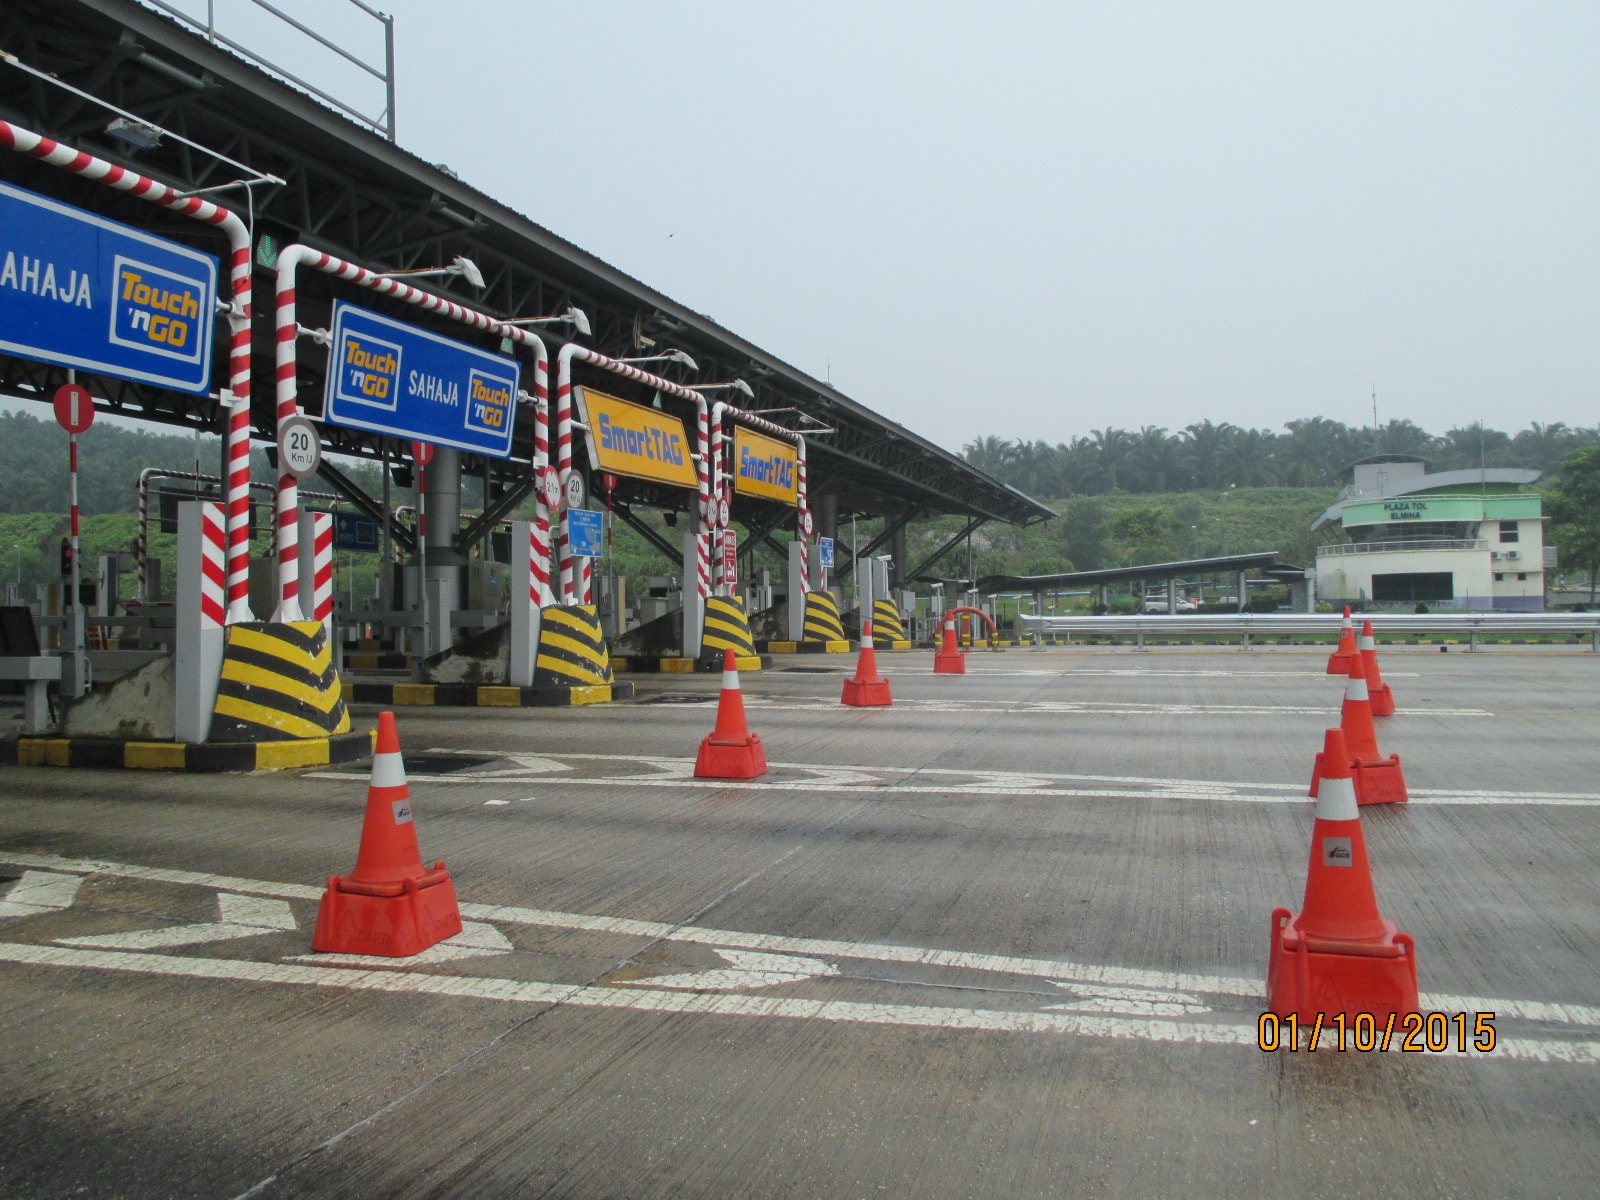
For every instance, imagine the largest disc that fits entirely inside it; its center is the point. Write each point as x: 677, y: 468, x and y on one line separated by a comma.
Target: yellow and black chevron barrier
x: 278, y: 684
x: 728, y: 628
x: 823, y: 630
x: 887, y: 629
x: 572, y: 650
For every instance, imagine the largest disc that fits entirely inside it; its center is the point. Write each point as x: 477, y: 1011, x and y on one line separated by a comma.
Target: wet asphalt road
x: 1006, y: 938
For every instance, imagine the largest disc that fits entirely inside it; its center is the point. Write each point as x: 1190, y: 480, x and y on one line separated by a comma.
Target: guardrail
x: 1248, y: 625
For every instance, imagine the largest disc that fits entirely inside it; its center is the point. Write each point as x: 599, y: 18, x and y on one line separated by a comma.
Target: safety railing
x: 1409, y: 544
x: 1246, y: 626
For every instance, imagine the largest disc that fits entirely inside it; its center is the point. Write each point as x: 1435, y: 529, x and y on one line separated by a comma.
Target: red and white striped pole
x: 745, y: 418
x: 35, y: 145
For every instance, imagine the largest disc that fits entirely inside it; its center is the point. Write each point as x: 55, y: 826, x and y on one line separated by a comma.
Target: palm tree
x: 1113, y: 448
x: 1157, y: 459
x: 1207, y: 450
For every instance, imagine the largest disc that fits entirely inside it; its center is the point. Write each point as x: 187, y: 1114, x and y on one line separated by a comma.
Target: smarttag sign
x: 765, y: 467
x: 394, y: 378
x: 80, y: 291
x: 630, y: 439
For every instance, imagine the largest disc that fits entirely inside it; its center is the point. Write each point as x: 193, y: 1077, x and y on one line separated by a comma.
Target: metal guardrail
x: 1248, y: 625
x: 1412, y: 545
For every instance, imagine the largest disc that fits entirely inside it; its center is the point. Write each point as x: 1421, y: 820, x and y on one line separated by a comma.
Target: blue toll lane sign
x: 394, y: 378
x: 352, y: 531
x: 80, y: 291
x: 584, y: 534
x: 825, y: 552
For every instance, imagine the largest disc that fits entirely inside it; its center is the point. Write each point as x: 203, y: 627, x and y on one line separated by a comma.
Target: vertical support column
x: 316, y: 566
x: 200, y: 612
x: 694, y: 601
x: 1172, y: 596
x: 797, y: 590
x: 1241, y: 592
x: 525, y: 587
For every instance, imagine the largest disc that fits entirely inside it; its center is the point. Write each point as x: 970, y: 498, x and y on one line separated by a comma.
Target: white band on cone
x: 1365, y: 642
x: 1357, y: 688
x: 1336, y: 798
x: 388, y: 770
x: 730, y: 681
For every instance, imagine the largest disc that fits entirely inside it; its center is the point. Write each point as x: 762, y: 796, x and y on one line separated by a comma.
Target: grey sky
x: 1034, y: 219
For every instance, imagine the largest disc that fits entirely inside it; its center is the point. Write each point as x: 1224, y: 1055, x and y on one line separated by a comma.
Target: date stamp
x: 1411, y: 1033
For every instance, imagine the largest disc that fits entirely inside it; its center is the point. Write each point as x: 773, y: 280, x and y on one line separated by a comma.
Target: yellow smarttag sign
x: 765, y: 467
x: 630, y: 439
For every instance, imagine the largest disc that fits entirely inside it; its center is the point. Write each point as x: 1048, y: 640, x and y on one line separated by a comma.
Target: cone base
x: 1339, y: 661
x: 397, y: 926
x: 1311, y: 977
x: 1382, y: 700
x: 954, y: 663
x: 867, y: 693
x: 1376, y: 780
x: 730, y: 759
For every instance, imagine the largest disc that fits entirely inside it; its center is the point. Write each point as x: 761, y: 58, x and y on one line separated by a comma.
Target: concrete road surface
x: 1007, y: 938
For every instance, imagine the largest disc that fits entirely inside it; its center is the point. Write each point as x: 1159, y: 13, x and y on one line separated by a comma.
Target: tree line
x: 1311, y: 452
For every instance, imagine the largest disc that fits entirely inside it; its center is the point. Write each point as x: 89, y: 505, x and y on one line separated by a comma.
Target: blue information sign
x: 80, y: 291
x: 394, y: 378
x: 584, y: 534
x: 825, y: 551
x: 352, y: 531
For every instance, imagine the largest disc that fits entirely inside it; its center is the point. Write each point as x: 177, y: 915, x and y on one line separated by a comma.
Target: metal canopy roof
x: 1265, y: 561
x: 355, y: 194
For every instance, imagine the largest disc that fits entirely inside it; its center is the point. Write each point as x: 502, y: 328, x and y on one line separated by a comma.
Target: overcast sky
x: 1036, y: 219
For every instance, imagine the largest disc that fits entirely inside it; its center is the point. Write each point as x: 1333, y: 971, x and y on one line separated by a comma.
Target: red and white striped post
x: 754, y: 422
x: 35, y: 145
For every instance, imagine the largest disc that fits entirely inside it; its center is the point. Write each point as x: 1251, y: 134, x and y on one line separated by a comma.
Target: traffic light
x: 66, y: 558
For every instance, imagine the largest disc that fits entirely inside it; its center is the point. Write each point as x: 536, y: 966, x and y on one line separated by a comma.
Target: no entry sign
x: 74, y: 408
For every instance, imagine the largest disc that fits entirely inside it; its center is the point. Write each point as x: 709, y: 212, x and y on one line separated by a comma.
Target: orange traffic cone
x: 1337, y: 954
x: 390, y: 904
x: 867, y: 689
x: 1377, y: 690
x: 948, y: 659
x: 730, y: 750
x: 1379, y: 780
x: 1339, y: 661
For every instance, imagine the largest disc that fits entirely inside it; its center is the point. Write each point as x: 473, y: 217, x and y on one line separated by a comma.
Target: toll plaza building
x: 1471, y: 540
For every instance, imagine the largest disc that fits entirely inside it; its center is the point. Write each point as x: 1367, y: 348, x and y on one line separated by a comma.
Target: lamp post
x: 16, y: 588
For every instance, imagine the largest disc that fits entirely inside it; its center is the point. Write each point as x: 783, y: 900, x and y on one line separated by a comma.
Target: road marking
x: 1135, y: 1002
x: 475, y: 940
x: 749, y: 970
x: 947, y: 781
x: 1098, y: 708
x: 516, y: 991
x: 1055, y: 970
x: 901, y: 668
x: 241, y: 917
x: 40, y: 892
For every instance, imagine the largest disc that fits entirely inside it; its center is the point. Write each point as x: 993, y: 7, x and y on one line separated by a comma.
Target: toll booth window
x: 1499, y: 576
x: 1522, y: 574
x: 1508, y: 531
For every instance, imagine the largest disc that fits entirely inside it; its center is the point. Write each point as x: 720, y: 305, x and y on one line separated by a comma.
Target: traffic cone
x: 1337, y: 954
x: 730, y: 750
x: 390, y: 904
x: 868, y: 689
x: 1379, y: 780
x: 948, y: 659
x: 1377, y: 690
x: 1339, y: 661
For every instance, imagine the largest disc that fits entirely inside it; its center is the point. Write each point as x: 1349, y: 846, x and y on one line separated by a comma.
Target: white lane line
x: 749, y: 969
x: 1054, y: 969
x: 899, y: 667
x: 909, y: 781
x: 242, y: 917
x: 727, y: 1004
x: 40, y: 892
x: 1100, y: 708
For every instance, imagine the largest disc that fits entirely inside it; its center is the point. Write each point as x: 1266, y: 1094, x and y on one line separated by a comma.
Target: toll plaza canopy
x: 349, y: 190
x: 1264, y: 562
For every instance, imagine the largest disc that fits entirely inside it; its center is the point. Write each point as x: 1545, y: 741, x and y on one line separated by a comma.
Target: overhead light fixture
x: 677, y: 356
x: 737, y: 385
x: 459, y: 265
x: 575, y: 316
x: 134, y: 133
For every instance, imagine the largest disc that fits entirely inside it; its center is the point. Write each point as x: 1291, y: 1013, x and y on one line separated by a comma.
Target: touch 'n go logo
x: 488, y: 402
x: 158, y: 311
x: 369, y: 370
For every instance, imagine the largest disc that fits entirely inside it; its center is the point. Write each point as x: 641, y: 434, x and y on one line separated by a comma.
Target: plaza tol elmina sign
x: 1405, y: 510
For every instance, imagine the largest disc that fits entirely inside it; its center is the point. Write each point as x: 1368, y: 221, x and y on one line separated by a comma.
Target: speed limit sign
x: 299, y: 447
x: 805, y: 521
x: 722, y: 513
